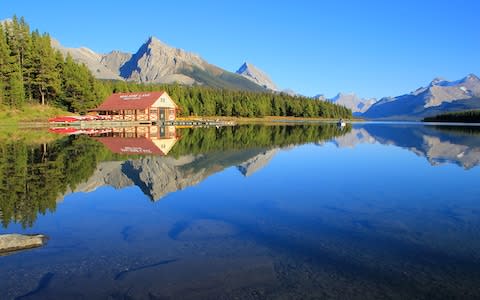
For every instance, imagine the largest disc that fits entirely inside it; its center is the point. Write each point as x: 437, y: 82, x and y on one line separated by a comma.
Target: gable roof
x: 141, y: 100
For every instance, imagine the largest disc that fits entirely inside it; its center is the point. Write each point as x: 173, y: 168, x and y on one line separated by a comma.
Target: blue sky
x: 373, y: 48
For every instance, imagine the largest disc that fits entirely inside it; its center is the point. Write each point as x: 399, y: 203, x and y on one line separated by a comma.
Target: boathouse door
x: 161, y: 114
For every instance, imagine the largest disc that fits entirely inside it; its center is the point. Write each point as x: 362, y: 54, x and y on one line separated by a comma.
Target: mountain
x: 439, y: 96
x: 114, y: 60
x: 88, y: 57
x: 157, y: 62
x: 256, y: 75
x: 353, y: 102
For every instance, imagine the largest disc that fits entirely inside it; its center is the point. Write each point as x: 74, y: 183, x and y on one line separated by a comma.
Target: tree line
x: 207, y: 101
x: 469, y: 116
x: 32, y: 71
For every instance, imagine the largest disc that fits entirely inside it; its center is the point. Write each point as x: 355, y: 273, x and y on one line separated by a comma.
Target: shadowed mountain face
x: 438, y: 97
x: 438, y: 144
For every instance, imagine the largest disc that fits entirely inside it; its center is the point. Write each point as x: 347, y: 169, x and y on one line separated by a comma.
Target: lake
x: 371, y: 210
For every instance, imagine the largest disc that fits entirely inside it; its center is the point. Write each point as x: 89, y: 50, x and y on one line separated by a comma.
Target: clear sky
x: 374, y: 48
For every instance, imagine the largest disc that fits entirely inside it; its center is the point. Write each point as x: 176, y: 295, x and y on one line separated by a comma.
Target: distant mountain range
x: 438, y: 97
x: 157, y: 62
x: 352, y: 101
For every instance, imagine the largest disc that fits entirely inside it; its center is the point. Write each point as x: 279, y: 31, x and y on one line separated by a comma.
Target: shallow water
x: 284, y: 212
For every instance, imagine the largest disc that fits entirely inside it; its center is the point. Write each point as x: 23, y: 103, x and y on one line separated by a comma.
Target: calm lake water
x: 250, y: 212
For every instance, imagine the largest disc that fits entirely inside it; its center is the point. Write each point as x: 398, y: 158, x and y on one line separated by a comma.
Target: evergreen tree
x: 46, y: 83
x: 4, y: 64
x: 14, y: 92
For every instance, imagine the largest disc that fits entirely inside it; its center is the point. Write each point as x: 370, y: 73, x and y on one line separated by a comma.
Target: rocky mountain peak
x: 256, y: 75
x: 155, y: 43
x: 472, y: 78
x: 437, y: 81
x: 157, y: 62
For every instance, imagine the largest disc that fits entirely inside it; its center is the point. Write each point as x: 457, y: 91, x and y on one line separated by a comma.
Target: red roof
x: 141, y: 100
x: 130, y: 145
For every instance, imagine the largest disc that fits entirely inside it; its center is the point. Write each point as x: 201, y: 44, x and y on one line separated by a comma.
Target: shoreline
x: 212, y: 120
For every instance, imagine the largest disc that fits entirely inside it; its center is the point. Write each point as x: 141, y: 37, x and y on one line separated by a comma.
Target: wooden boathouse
x: 142, y: 106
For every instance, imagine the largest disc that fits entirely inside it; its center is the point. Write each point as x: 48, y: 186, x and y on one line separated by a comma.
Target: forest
x: 469, y: 116
x: 32, y: 71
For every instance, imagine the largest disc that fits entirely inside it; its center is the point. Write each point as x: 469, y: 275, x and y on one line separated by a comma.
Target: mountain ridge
x: 353, y: 102
x: 439, y: 96
x: 157, y: 62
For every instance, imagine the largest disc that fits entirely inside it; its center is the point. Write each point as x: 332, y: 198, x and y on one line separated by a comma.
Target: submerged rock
x: 16, y: 242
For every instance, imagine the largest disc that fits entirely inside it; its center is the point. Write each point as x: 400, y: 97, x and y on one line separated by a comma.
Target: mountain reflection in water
x: 120, y: 157
x: 459, y: 145
x: 35, y: 177
x: 290, y: 212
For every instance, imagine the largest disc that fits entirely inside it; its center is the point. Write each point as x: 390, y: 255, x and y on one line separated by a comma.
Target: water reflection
x: 458, y: 145
x: 268, y: 214
x: 148, y: 140
x: 34, y: 177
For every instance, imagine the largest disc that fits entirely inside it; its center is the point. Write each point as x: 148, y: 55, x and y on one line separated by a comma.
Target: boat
x: 72, y: 119
x: 341, y: 123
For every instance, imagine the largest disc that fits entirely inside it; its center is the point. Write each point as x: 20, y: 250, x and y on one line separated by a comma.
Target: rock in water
x: 15, y: 242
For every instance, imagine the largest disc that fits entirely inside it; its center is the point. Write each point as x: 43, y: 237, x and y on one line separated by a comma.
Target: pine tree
x: 46, y: 82
x: 4, y: 59
x: 26, y: 53
x: 15, y: 92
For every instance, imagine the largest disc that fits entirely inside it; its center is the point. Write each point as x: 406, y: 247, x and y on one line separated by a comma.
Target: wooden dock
x: 110, y: 123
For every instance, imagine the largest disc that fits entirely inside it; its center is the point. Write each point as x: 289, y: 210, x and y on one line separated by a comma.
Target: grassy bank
x: 32, y: 113
x: 28, y: 124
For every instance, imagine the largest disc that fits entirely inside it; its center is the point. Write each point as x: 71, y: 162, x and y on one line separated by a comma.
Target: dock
x: 111, y: 123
